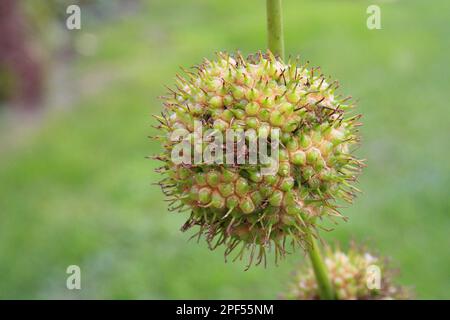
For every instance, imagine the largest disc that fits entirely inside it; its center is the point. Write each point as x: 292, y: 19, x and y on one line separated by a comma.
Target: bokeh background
x: 75, y: 187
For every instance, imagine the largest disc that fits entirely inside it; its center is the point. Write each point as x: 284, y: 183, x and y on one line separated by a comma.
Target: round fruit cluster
x: 355, y: 275
x: 235, y: 203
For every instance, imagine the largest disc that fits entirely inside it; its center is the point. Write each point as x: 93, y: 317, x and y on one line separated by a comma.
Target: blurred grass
x: 78, y: 192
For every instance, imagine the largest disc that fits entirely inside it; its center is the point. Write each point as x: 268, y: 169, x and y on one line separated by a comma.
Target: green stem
x: 276, y: 45
x: 275, y: 28
x: 320, y: 270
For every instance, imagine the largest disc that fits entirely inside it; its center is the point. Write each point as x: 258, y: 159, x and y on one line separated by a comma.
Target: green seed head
x: 204, y: 195
x: 213, y: 178
x: 242, y: 186
x: 350, y: 272
x: 313, y: 167
x: 276, y: 198
x: 247, y: 205
x: 276, y: 119
x: 232, y: 202
x: 287, y: 184
x: 299, y: 158
x: 252, y: 122
x: 226, y: 189
x: 217, y: 201
x: 252, y: 108
x: 216, y: 102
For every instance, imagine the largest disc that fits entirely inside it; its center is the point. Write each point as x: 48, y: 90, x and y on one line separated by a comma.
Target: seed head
x: 355, y: 275
x: 233, y: 203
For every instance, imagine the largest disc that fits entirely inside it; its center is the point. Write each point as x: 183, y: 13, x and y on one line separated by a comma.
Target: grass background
x: 78, y: 189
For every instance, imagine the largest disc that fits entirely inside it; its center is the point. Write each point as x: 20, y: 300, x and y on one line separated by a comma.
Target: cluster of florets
x: 233, y: 203
x: 355, y: 275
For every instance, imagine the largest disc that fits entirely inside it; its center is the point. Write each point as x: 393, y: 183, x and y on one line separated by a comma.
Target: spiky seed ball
x: 233, y: 203
x: 350, y: 272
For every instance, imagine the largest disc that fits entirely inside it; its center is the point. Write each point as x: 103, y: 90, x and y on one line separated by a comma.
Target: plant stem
x: 276, y: 45
x: 320, y: 270
x: 275, y: 28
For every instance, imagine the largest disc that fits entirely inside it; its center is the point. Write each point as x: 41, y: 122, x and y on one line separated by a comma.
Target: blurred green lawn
x: 79, y: 191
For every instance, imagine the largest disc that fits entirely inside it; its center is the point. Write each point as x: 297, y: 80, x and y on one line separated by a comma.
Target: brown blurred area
x: 21, y: 69
x: 37, y: 50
